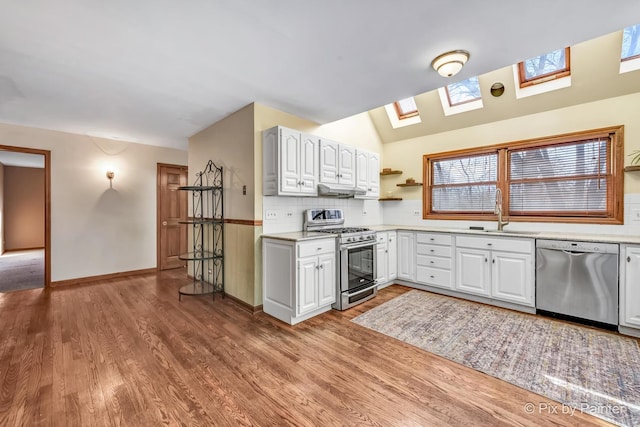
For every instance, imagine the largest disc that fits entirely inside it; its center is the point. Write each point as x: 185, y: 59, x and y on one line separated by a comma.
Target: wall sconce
x: 449, y: 64
x: 110, y: 176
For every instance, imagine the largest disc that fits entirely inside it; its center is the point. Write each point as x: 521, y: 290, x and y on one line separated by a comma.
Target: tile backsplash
x: 285, y: 214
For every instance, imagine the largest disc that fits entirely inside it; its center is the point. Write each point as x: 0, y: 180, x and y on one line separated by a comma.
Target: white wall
x: 96, y: 230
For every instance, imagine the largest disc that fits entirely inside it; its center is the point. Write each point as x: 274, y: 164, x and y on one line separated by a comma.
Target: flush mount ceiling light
x: 449, y: 64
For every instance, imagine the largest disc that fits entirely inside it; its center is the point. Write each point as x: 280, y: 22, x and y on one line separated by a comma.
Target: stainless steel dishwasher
x: 578, y: 280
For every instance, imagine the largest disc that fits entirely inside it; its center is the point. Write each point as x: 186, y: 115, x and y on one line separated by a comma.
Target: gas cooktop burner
x: 343, y: 230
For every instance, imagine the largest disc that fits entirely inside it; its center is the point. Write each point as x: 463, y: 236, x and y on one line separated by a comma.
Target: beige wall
x: 235, y: 142
x: 96, y: 230
x: 230, y: 144
x: 24, y: 197
x: 407, y: 154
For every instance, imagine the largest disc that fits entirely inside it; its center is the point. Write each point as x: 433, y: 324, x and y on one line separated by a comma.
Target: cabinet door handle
x: 322, y: 266
x: 493, y: 260
x: 386, y: 252
x: 432, y: 276
x: 628, y: 259
x: 486, y: 260
x: 432, y: 239
x: 489, y: 244
x: 319, y: 249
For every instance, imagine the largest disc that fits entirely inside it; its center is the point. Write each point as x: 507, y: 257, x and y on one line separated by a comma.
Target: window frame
x: 543, y: 78
x: 615, y: 176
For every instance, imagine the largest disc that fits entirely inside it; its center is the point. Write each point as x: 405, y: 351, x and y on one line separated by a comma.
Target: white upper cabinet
x: 290, y: 163
x: 368, y: 173
x: 294, y: 163
x: 337, y: 163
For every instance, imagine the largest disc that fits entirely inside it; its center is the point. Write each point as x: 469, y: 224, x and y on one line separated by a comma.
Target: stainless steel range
x: 356, y: 256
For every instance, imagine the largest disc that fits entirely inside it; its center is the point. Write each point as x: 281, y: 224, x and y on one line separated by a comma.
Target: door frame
x: 158, y: 219
x: 47, y: 204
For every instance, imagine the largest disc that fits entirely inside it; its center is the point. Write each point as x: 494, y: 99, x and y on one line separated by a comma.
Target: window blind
x: 464, y: 184
x: 563, y: 179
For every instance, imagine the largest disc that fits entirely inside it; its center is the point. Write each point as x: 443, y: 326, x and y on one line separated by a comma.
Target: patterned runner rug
x: 594, y: 371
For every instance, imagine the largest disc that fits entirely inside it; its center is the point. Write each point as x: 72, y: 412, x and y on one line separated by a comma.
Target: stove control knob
x: 350, y: 239
x: 360, y: 238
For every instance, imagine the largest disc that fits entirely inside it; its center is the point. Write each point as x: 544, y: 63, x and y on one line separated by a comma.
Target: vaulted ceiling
x: 158, y: 72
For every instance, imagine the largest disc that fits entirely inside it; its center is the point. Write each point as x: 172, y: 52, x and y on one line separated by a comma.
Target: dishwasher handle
x: 575, y: 253
x: 578, y: 246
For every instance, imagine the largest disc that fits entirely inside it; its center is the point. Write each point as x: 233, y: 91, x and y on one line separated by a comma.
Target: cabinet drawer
x: 434, y: 276
x: 432, y: 261
x: 433, y: 238
x: 433, y: 250
x: 382, y: 237
x: 316, y: 247
x: 498, y: 244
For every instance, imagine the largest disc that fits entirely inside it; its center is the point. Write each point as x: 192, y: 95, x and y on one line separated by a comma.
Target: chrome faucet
x: 498, y: 210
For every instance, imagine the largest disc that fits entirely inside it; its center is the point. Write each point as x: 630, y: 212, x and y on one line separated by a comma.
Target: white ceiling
x: 23, y: 160
x: 157, y: 72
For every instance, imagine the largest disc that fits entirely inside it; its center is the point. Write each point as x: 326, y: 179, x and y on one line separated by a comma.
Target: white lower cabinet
x: 433, y: 259
x: 406, y: 256
x: 392, y: 252
x: 473, y: 274
x: 386, y: 257
x: 298, y: 278
x: 512, y: 277
x: 497, y: 268
x: 630, y: 286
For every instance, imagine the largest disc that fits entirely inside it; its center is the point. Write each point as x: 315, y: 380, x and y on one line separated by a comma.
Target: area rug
x: 594, y: 371
x: 21, y: 270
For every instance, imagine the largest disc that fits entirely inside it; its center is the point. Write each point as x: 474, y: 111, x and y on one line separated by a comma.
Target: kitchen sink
x: 524, y: 233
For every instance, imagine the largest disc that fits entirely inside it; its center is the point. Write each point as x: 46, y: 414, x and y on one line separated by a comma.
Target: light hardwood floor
x: 127, y: 352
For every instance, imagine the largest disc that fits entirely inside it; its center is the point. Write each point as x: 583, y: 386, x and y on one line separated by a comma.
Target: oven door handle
x: 362, y: 291
x: 361, y: 245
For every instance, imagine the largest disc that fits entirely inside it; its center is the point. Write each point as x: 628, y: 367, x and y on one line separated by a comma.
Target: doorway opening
x: 25, y: 218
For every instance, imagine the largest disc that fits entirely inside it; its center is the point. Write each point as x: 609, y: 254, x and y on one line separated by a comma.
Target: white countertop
x: 299, y: 236
x: 582, y: 237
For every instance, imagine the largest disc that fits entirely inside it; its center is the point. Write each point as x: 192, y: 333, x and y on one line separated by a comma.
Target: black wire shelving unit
x: 206, y: 257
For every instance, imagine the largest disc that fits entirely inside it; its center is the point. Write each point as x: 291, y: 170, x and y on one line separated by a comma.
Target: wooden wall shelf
x: 413, y: 184
x: 394, y: 172
x: 388, y: 199
x: 635, y: 168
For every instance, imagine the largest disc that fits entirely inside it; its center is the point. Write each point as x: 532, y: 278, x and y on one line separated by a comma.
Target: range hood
x: 335, y: 190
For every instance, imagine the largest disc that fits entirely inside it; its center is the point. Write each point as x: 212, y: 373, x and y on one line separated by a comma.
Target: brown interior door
x: 172, y: 208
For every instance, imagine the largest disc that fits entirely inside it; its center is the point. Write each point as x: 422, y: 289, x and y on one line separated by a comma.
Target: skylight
x: 630, y: 43
x: 406, y: 108
x: 464, y: 91
x: 544, y: 67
